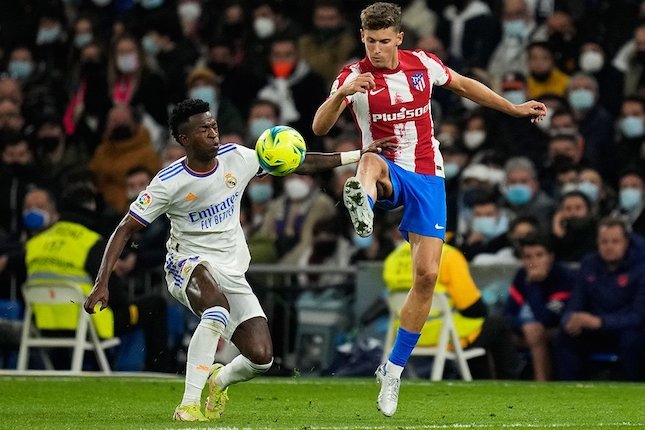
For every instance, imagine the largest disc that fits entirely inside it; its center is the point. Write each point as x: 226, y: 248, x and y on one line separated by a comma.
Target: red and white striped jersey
x: 400, y: 106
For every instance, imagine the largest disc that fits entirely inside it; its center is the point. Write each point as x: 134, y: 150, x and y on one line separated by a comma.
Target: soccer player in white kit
x: 207, y: 253
x: 389, y: 93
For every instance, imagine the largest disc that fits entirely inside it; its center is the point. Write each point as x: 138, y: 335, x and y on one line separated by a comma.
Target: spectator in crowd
x: 38, y: 211
x: 536, y: 301
x: 132, y: 82
x: 564, y: 157
x: 559, y: 32
x: 455, y: 159
x: 634, y: 72
x: 522, y: 193
x: 294, y: 87
x: 171, y: 153
x: 476, y: 179
x: 51, y: 41
x: 329, y: 45
x: 262, y: 246
x: 71, y: 249
x: 544, y: 77
x: 471, y: 31
x: 630, y: 146
x: 126, y: 144
x: 10, y: 89
x: 517, y: 28
x: 202, y: 84
x: 601, y: 196
x: 630, y: 199
x: 475, y: 326
x: 574, y: 227
x: 481, y: 133
x: 10, y: 116
x: 607, y: 310
x: 487, y: 233
x: 592, y: 61
x: 263, y: 114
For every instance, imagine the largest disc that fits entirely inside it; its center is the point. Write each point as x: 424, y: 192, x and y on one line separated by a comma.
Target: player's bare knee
x: 261, y: 354
x: 370, y: 162
x: 425, y: 278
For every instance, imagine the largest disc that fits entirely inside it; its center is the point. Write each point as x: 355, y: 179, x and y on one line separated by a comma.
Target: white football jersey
x: 203, y: 207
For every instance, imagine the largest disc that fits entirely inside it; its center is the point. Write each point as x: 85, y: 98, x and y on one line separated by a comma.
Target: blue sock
x: 403, y: 346
x: 371, y: 202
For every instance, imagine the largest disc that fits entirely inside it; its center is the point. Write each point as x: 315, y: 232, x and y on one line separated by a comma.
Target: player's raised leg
x: 207, y: 301
x: 361, y: 191
x: 426, y: 256
x: 253, y: 339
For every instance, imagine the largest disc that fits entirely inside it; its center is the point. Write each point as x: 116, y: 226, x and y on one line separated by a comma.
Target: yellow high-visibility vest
x: 59, y: 254
x: 454, y: 279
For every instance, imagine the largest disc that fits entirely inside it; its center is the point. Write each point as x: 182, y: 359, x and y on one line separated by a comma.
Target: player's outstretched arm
x: 320, y: 161
x: 481, y: 94
x: 121, y: 235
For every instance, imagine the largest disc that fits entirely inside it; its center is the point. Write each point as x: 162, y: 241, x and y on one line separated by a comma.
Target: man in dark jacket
x: 607, y: 310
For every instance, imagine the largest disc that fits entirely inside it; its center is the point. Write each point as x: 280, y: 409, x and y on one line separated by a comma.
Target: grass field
x: 310, y: 403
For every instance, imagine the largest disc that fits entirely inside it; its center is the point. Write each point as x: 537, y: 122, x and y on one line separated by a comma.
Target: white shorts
x: 243, y: 303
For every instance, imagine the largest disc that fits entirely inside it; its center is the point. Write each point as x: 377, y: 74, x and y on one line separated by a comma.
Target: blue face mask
x: 632, y: 127
x: 35, y: 219
x: 149, y: 45
x: 47, y: 35
x: 486, y: 225
x: 589, y: 189
x: 581, y: 99
x: 451, y: 170
x: 514, y: 28
x: 19, y: 69
x: 518, y: 194
x: 630, y: 198
x: 362, y: 242
x: 82, y: 39
x: 205, y: 93
x: 260, y: 193
x: 257, y: 126
x: 515, y: 96
x: 151, y: 4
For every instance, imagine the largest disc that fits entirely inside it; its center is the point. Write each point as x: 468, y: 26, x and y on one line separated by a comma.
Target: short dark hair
x: 577, y: 193
x: 615, y: 221
x: 138, y: 169
x: 381, y: 15
x: 76, y: 198
x: 536, y: 240
x: 184, y: 110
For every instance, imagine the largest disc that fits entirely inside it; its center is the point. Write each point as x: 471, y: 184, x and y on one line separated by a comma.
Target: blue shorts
x: 423, y: 198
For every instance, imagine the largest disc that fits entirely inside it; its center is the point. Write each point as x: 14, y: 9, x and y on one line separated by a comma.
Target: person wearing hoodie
x: 607, y: 310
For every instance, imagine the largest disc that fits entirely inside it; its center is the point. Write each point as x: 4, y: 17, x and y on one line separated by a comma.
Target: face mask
x: 189, y: 11
x: 541, y: 76
x: 120, y: 133
x: 469, y: 104
x: 568, y: 187
x: 264, y: 27
x: 589, y: 189
x: 446, y: 139
x: 257, y: 126
x: 205, y: 93
x: 630, y: 198
x: 591, y: 61
x: 296, y: 189
x: 545, y: 124
x: 471, y: 195
x: 82, y: 39
x: 518, y: 194
x: 35, y: 219
x: 515, y: 96
x: 48, y: 144
x: 151, y: 4
x: 515, y: 28
x: 473, y: 139
x: 451, y: 170
x: 327, y: 33
x: 486, y: 225
x: 632, y: 127
x: 149, y: 45
x: 260, y: 193
x: 581, y: 99
x: 47, y: 35
x: 19, y: 69
x: 128, y: 63
x: 362, y: 242
x: 282, y: 69
x: 578, y: 224
x: 101, y: 3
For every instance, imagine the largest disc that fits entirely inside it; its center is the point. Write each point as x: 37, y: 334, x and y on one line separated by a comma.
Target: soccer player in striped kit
x: 389, y: 93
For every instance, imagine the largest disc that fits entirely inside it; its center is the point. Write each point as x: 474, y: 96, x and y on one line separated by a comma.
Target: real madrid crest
x: 230, y: 180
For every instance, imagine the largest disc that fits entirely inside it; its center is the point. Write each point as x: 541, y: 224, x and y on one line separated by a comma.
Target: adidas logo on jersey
x: 190, y: 197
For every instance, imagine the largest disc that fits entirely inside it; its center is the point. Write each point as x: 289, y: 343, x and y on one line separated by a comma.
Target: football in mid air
x: 280, y: 149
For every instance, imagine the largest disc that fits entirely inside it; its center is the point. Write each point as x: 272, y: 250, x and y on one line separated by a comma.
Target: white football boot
x: 388, y: 397
x: 355, y: 199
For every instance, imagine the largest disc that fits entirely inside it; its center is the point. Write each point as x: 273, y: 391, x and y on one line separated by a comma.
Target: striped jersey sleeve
x: 347, y: 74
x: 439, y: 73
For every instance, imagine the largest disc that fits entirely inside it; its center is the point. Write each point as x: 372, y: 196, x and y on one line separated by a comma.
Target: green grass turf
x: 311, y: 403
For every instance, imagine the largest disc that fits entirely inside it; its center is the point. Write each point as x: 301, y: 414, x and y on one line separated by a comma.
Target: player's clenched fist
x: 362, y: 83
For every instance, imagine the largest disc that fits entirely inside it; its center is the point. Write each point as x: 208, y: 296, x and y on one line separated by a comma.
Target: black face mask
x: 218, y: 67
x: 471, y: 195
x: 327, y: 33
x: 324, y: 248
x: 120, y: 133
x: 579, y: 224
x: 541, y: 76
x: 48, y: 144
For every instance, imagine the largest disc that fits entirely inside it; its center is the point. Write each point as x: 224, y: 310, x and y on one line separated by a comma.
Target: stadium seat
x: 447, y: 338
x: 53, y: 294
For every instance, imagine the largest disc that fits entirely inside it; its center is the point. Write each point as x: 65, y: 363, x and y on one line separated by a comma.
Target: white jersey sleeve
x: 151, y: 202
x: 439, y: 73
x: 347, y: 74
x: 251, y: 159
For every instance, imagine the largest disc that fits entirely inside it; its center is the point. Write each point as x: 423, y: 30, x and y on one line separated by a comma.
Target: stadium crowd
x: 86, y: 87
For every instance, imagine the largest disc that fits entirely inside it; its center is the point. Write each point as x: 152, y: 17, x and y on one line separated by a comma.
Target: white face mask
x: 128, y: 63
x: 264, y: 27
x: 296, y: 188
x: 189, y: 11
x: 473, y: 139
x: 591, y: 61
x: 545, y: 124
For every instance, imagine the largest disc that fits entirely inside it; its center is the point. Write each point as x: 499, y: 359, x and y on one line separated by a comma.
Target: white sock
x: 201, y: 352
x: 239, y: 370
x: 393, y: 369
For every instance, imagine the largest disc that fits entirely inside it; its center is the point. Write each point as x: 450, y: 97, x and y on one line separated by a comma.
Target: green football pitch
x: 317, y: 403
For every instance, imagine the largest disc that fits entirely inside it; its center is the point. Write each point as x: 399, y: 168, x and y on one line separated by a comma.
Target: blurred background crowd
x: 86, y: 87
